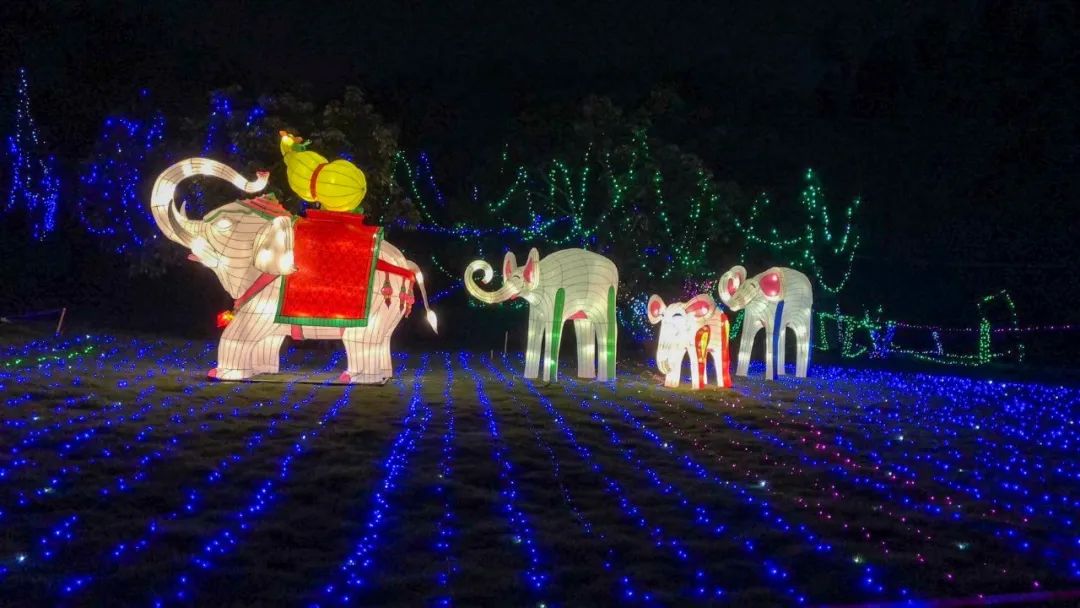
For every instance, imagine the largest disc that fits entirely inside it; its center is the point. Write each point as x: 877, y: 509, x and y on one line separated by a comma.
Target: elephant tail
x: 430, y: 315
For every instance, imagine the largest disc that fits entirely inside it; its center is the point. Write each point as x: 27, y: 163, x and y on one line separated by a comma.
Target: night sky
x: 957, y: 125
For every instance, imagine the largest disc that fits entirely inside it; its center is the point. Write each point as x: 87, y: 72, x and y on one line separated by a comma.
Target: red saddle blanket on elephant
x: 335, y: 256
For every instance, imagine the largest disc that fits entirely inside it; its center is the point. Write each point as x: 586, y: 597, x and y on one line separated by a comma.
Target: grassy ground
x: 126, y: 478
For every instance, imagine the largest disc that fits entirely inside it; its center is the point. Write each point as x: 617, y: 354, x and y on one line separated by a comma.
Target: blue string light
x: 871, y: 581
x: 360, y: 561
x: 943, y: 408
x: 67, y: 445
x: 35, y: 185
x: 226, y: 539
x: 962, y: 480
x: 697, y: 582
x: 112, y: 203
x: 703, y: 516
x: 535, y: 575
x: 51, y: 542
x: 444, y: 528
x: 112, y: 186
x: 425, y: 169
x: 191, y: 495
x: 628, y: 590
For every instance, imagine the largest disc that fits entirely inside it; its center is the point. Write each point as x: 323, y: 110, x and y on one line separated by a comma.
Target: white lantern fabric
x: 250, y: 245
x: 695, y: 329
x: 568, y: 285
x: 774, y: 301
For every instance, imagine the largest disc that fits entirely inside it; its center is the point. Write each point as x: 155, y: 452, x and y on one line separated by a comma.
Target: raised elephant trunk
x: 507, y: 291
x: 175, y: 224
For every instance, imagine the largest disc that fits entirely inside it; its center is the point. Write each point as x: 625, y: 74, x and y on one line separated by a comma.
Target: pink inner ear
x: 530, y: 267
x: 770, y: 284
x: 731, y: 287
x: 654, y: 308
x: 507, y: 270
x: 698, y: 308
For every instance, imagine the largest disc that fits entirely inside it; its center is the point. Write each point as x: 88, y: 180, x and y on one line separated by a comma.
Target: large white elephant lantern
x: 775, y: 300
x: 696, y: 329
x: 256, y: 247
x: 568, y: 285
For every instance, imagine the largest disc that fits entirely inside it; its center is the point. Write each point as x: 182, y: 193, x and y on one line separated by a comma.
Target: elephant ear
x: 771, y: 284
x: 701, y: 306
x: 655, y: 308
x: 730, y: 282
x: 531, y: 274
x: 509, y: 264
x: 274, y: 247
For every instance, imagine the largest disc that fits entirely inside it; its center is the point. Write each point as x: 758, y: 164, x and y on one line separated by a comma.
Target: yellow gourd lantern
x: 337, y: 186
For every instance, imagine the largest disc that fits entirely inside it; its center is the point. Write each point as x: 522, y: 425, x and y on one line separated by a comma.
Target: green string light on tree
x: 813, y: 252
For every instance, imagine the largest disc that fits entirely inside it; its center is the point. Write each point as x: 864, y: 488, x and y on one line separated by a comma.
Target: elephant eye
x: 223, y: 224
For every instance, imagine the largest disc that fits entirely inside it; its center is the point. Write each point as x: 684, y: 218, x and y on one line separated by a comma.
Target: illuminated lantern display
x: 775, y: 300
x: 326, y: 276
x: 569, y: 285
x: 337, y: 186
x: 696, y: 329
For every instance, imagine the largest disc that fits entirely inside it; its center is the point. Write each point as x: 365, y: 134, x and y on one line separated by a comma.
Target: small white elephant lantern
x: 775, y: 300
x: 694, y: 329
x: 568, y: 285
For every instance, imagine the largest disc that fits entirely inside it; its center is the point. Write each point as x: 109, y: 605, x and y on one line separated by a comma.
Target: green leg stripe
x: 612, y: 333
x: 556, y: 331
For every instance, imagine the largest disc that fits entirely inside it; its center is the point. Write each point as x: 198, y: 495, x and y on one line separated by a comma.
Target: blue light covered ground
x: 127, y: 479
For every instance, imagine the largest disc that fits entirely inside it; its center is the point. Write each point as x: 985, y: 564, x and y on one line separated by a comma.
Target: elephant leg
x: 586, y: 348
x: 237, y: 346
x: 552, y: 341
x: 554, y: 337
x: 359, y: 353
x: 266, y: 356
x: 369, y: 358
x: 802, y: 350
x: 362, y: 355
x: 673, y: 376
x: 746, y: 345
x: 718, y: 373
x: 696, y: 378
x: 386, y: 359
x: 770, y: 337
x: 533, y: 346
x: 721, y: 361
x: 545, y: 358
x: 368, y: 348
x: 377, y: 364
x: 605, y: 359
x: 608, y: 332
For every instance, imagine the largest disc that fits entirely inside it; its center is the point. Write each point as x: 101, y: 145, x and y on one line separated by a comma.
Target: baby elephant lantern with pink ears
x: 774, y: 301
x: 696, y: 329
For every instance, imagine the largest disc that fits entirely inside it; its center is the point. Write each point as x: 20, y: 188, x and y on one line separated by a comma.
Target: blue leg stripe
x: 776, y: 336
